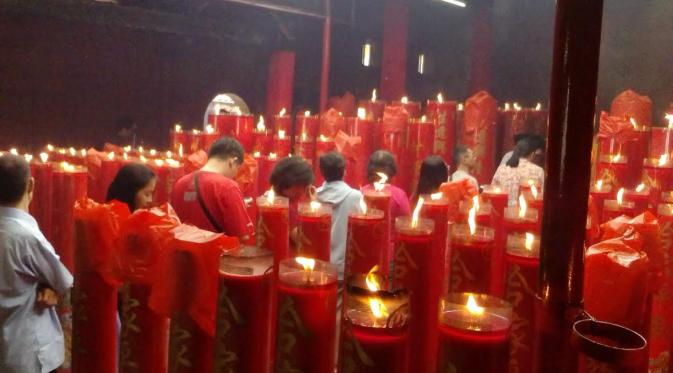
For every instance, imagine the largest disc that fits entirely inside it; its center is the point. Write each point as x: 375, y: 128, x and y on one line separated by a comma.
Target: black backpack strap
x: 210, y: 217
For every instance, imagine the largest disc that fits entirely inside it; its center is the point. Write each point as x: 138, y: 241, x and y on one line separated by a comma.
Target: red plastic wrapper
x: 195, y: 161
x: 456, y: 191
x: 480, y: 133
x: 247, y: 176
x: 616, y: 281
x: 395, y: 119
x: 631, y: 104
x: 331, y: 122
x: 95, y: 290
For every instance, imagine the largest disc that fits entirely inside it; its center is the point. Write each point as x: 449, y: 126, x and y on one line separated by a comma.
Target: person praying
x: 293, y: 178
x: 537, y: 143
x: 134, y: 185
x: 464, y: 161
x: 209, y: 198
x: 433, y: 173
x: 32, y: 279
x: 518, y: 168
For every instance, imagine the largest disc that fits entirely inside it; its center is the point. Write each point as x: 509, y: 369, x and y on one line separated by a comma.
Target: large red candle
x: 266, y: 165
x: 436, y: 208
x: 521, y: 270
x: 70, y: 185
x: 110, y: 165
x: 282, y: 122
x: 658, y: 173
x: 641, y: 196
x: 374, y: 335
x: 179, y: 139
x: 373, y: 106
x: 41, y: 205
x: 416, y: 268
x: 538, y: 120
x: 412, y: 107
x: 304, y: 146
x: 314, y: 230
x: 282, y: 144
x: 471, y: 258
x: 238, y: 126
x: 365, y: 129
x: 306, y: 330
x: 196, y: 139
x: 635, y: 152
x: 473, y: 334
x: 613, y: 208
x: 242, y: 335
x: 599, y: 193
x: 273, y: 226
x: 612, y: 170
x: 444, y: 115
x: 308, y: 124
x: 480, y: 133
x: 661, y: 141
x: 210, y: 135
x: 262, y: 138
x: 168, y: 172
x: 420, y: 142
x: 367, y: 244
x: 513, y: 120
x: 661, y: 332
x: 379, y: 198
x: 498, y: 199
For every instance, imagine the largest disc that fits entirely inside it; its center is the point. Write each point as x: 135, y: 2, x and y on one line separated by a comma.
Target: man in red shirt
x: 209, y: 198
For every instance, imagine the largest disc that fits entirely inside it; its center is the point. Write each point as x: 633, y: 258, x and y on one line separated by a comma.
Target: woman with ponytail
x: 519, y: 168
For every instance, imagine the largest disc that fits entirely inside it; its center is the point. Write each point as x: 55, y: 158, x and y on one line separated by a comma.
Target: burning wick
x: 315, y: 205
x: 507, y: 106
x: 44, y: 157
x: 423, y: 118
x: 28, y: 157
x: 256, y: 154
x: 475, y: 203
x: 633, y: 122
x: 126, y: 156
x: 323, y: 138
x: 13, y: 151
x: 440, y: 98
x: 436, y: 196
x: 620, y: 197
x: 308, y: 265
x: 362, y: 113
x: 538, y: 107
x: 281, y: 134
x: 50, y: 147
x: 72, y: 152
x: 270, y: 196
x: 372, y: 279
x: 363, y: 206
x: 159, y: 162
x: 640, y: 187
x: 669, y: 118
x: 460, y: 106
x: 304, y: 137
x: 169, y: 154
x: 599, y: 185
x: 180, y: 151
x: 533, y: 191
x: 178, y: 128
x: 472, y: 306
x: 516, y: 106
x: 143, y: 159
x: 261, y: 127
x: 282, y: 112
x: 378, y: 186
x: 616, y: 157
x: 210, y: 129
x: 663, y: 160
x: 127, y: 148
x: 417, y: 212
x: 307, y: 113
x: 373, y: 95
x: 111, y: 156
x: 405, y: 100
x: 523, y: 206
x: 530, y: 239
x: 273, y: 155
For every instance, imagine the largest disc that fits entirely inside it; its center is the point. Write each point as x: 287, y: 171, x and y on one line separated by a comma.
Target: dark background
x: 72, y: 72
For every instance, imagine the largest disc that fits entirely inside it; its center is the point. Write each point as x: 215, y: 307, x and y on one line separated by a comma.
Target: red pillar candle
x: 364, y: 128
x: 304, y: 146
x: 474, y: 333
x: 661, y: 141
x: 210, y: 135
x: 262, y: 138
x: 367, y: 243
x: 420, y: 143
x: 266, y: 165
x: 273, y: 225
x: 460, y: 119
x: 613, y: 208
x: 412, y: 107
x: 599, y: 192
x: 314, y: 230
x: 41, y: 205
x: 498, y: 199
x: 374, y: 107
x: 69, y: 186
x: 521, y: 270
x: 178, y: 139
x: 238, y: 126
x: 168, y: 172
x: 108, y: 170
x: 195, y: 141
x: 379, y: 198
x: 635, y: 152
x: 612, y: 170
x: 444, y: 115
x: 242, y: 335
x: 480, y: 133
x: 415, y: 262
x: 308, y: 124
x: 282, y: 144
x: 471, y: 258
x: 282, y: 122
x: 641, y: 196
x: 658, y: 173
x: 374, y: 335
x: 513, y: 120
x: 661, y: 332
x: 436, y: 208
x: 306, y: 330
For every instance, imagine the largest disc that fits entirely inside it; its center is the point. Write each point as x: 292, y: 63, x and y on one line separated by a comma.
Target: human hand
x: 46, y: 297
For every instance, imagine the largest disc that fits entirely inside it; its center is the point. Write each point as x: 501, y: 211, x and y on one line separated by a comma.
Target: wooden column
x: 566, y: 190
x: 394, y: 50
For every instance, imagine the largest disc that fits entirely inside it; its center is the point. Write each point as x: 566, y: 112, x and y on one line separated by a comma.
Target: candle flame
x: 307, y: 113
x: 516, y: 106
x: 472, y: 306
x: 315, y: 205
x: 72, y: 151
x: 281, y: 134
x: 169, y: 154
x: 153, y: 152
x: 616, y: 157
x: 111, y: 156
x: 378, y: 186
x: 523, y: 206
x: 599, y: 185
x: 44, y: 157
x: 60, y: 151
x: 159, y: 162
x: 126, y: 156
x: 472, y: 220
x: 323, y: 138
x: 538, y: 107
x: 173, y: 163
x: 180, y: 151
x: 373, y: 95
x: 13, y: 151
x: 475, y: 203
x: 461, y: 106
x: 379, y: 309
x: 362, y: 113
x: 141, y: 149
x: 534, y: 191
x: 270, y: 196
x: 530, y: 239
x: 82, y: 152
x: 633, y: 122
x: 304, y: 136
x: 67, y: 167
x: 28, y: 157
x: 50, y: 147
x: 282, y: 112
x: 440, y: 98
x: 507, y: 106
x: 363, y: 206
x: 640, y: 187
x: 669, y: 118
x: 256, y: 154
x: 195, y: 131
x: 663, y: 159
x: 127, y: 148
x: 423, y: 118
x: 273, y: 155
x: 142, y: 158
x: 404, y: 100
x: 261, y: 127
x: 620, y: 196
x: 178, y: 128
x: 307, y: 263
x: 210, y: 129
x: 436, y: 196
x: 372, y: 279
x: 417, y: 212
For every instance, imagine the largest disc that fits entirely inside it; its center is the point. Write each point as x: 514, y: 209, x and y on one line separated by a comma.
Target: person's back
x: 519, y: 168
x: 343, y: 199
x: 31, y: 278
x: 209, y: 198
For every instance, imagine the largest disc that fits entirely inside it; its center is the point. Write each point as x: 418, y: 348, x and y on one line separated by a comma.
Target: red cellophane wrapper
x: 195, y: 161
x: 185, y: 290
x: 331, y: 122
x: 456, y: 191
x: 616, y: 281
x: 95, y: 289
x: 247, y: 176
x: 480, y: 133
x: 631, y: 104
x: 615, y: 128
x: 144, y: 333
x: 395, y: 119
x: 356, y: 158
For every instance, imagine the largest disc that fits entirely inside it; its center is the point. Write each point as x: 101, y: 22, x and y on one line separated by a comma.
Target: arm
x: 48, y: 270
x: 235, y: 219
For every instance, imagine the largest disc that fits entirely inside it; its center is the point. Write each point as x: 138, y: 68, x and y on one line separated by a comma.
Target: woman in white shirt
x: 518, y: 168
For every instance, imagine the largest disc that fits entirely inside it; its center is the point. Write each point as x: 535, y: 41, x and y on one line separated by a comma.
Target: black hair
x: 289, y: 172
x: 225, y: 148
x: 433, y: 173
x: 381, y: 161
x: 536, y: 142
x: 522, y: 149
x: 14, y: 177
x: 332, y: 166
x: 520, y: 136
x: 129, y: 180
x: 458, y: 153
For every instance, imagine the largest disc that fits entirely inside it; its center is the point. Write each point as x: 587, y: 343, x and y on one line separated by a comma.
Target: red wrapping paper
x: 444, y: 115
x: 455, y: 192
x: 356, y: 158
x: 95, y: 290
x: 240, y: 127
x: 193, y: 254
x: 631, y: 104
x: 331, y: 122
x: 42, y: 203
x: 480, y: 133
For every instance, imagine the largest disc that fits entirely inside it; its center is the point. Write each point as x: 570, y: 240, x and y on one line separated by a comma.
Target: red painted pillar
x: 326, y: 55
x: 394, y: 51
x: 280, y: 82
x: 482, y: 46
x: 577, y: 40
